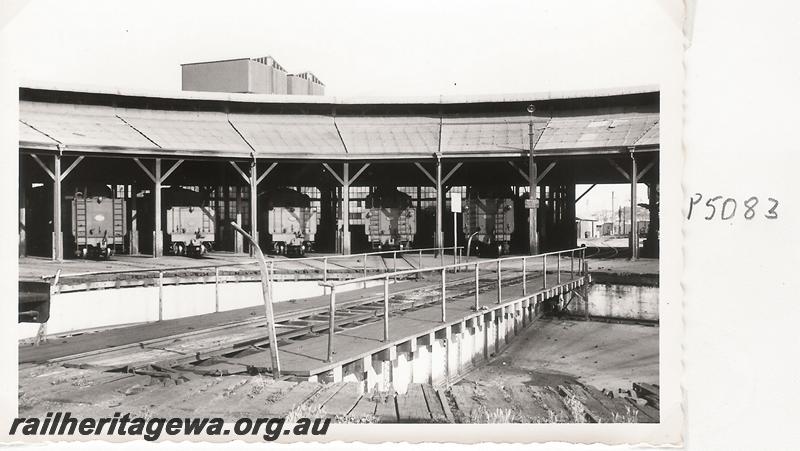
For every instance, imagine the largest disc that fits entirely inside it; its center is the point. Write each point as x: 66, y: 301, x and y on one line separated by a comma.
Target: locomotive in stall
x: 291, y: 221
x: 390, y: 219
x: 489, y: 220
x: 188, y: 223
x: 98, y: 223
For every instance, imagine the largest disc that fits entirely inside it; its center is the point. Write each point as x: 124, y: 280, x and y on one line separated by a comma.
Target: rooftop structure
x: 262, y: 75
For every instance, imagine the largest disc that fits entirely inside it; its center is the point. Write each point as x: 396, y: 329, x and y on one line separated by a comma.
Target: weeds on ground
x: 363, y: 419
x: 26, y: 401
x: 576, y: 409
x: 631, y: 415
x: 305, y: 411
x: 483, y: 415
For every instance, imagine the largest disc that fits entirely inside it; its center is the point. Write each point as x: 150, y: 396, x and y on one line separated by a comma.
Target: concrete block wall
x: 440, y: 357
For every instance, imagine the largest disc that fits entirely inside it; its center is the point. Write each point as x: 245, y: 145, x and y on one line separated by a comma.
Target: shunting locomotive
x: 291, y: 222
x: 390, y: 219
x: 98, y: 223
x: 489, y: 215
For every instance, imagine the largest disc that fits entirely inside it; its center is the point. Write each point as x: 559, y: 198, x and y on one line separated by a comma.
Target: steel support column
x: 439, y: 231
x: 253, y: 205
x: 346, y: 209
x: 238, y: 239
x: 634, y: 240
x: 58, y: 245
x: 22, y: 196
x: 158, y: 239
x: 533, y: 245
x: 133, y: 229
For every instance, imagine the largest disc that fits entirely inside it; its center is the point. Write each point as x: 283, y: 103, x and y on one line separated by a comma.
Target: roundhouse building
x: 233, y: 146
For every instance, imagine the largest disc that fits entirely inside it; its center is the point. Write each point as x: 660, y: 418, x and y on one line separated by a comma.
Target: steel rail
x: 273, y: 260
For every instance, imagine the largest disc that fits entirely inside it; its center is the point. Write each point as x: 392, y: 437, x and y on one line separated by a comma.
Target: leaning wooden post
x: 499, y: 283
x: 386, y: 309
x: 266, y: 288
x: 444, y: 314
x: 524, y: 277
x: 331, y: 322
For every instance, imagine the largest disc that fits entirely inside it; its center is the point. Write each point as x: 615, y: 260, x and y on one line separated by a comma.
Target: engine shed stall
x: 232, y: 150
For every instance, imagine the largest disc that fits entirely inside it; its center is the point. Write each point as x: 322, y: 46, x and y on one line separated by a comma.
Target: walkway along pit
x: 436, y: 356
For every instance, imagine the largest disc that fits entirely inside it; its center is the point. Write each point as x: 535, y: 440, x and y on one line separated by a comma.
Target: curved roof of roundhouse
x: 106, y: 121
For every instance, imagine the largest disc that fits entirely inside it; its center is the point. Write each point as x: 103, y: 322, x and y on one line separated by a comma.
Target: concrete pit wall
x: 440, y: 357
x: 618, y: 301
x: 78, y: 310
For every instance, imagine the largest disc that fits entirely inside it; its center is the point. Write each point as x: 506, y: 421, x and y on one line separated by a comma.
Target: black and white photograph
x: 272, y: 220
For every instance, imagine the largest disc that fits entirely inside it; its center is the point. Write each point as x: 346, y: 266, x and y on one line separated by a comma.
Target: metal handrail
x: 444, y: 269
x: 450, y: 266
x: 273, y: 260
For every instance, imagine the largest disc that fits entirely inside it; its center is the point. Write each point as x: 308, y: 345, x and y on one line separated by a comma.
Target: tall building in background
x: 248, y: 75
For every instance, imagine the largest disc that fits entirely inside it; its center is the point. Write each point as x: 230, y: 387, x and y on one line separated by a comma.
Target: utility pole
x: 534, y: 239
x: 613, y: 213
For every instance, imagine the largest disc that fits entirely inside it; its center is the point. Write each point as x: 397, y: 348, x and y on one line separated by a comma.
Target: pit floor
x: 553, y: 351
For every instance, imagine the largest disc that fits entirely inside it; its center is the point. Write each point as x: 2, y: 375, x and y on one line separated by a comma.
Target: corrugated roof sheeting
x: 616, y: 130
x: 78, y: 125
x: 651, y: 137
x: 488, y: 134
x: 289, y: 134
x: 389, y: 135
x: 187, y: 130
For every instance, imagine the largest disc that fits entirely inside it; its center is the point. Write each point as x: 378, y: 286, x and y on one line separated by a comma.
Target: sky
x: 357, y: 48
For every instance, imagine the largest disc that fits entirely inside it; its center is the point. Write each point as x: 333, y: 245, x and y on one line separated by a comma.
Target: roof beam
x: 44, y: 166
x: 146, y: 171
x: 266, y: 173
x: 521, y: 172
x: 360, y: 171
x: 452, y: 171
x: 644, y: 171
x: 545, y: 172
x: 245, y: 177
x: 425, y: 171
x: 71, y: 167
x: 618, y: 168
x: 334, y: 174
x: 539, y: 177
x: 171, y: 170
x: 585, y: 193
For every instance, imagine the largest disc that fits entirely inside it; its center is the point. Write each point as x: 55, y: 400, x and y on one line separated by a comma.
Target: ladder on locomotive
x: 81, y: 233
x: 499, y: 218
x: 118, y: 222
x: 374, y: 222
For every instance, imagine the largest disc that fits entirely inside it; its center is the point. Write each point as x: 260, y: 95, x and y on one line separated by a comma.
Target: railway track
x: 214, y: 350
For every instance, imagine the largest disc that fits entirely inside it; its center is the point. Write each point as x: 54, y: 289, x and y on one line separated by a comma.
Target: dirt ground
x: 552, y: 352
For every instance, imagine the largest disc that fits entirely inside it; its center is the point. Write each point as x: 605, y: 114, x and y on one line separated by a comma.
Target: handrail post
x: 499, y: 283
x: 583, y: 261
x: 443, y: 295
x: 558, y: 268
x: 386, y: 309
x: 160, y: 295
x: 524, y: 276
x: 477, y: 287
x: 331, y: 322
x: 420, y: 259
x: 394, y: 260
x: 544, y: 271
x: 325, y: 269
x: 572, y: 264
x: 216, y: 289
x: 365, y: 269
